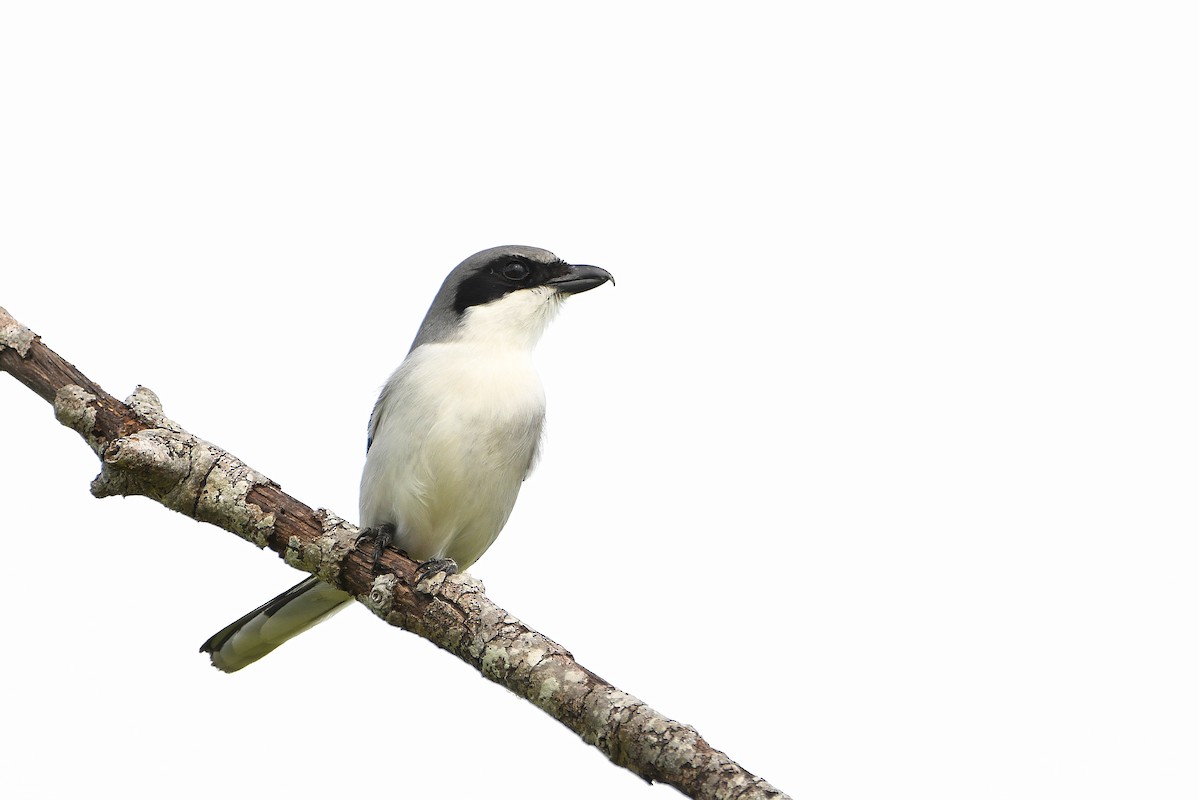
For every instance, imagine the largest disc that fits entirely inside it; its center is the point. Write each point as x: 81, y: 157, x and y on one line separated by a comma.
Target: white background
x: 878, y: 466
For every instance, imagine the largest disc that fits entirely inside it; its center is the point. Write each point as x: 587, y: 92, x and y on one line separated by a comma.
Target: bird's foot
x: 381, y: 537
x: 435, y: 565
x: 432, y: 574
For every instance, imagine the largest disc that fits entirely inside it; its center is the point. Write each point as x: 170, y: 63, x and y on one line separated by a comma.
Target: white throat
x: 516, y: 320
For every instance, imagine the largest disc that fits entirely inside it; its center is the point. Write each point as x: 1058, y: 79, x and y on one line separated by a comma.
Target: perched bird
x: 454, y: 433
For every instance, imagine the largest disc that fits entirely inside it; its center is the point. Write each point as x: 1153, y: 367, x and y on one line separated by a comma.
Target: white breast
x: 456, y: 431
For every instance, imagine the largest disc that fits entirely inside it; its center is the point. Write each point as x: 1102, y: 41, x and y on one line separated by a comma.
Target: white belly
x: 456, y: 432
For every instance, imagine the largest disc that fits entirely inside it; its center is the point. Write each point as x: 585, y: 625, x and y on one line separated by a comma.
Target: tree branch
x: 142, y: 452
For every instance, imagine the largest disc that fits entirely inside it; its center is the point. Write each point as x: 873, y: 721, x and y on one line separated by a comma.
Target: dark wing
x: 377, y: 415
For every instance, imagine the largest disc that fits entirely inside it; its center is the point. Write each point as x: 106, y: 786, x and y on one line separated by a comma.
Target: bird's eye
x: 515, y: 271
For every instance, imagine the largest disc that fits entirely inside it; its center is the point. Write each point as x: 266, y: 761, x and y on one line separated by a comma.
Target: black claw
x: 435, y: 565
x: 381, y: 537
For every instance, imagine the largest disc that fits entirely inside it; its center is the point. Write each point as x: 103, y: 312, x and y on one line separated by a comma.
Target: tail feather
x: 273, y: 623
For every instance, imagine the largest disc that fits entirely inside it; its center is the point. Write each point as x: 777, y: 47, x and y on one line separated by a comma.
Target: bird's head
x: 505, y: 296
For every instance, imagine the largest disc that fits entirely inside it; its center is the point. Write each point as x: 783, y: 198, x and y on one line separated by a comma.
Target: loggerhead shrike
x: 454, y: 433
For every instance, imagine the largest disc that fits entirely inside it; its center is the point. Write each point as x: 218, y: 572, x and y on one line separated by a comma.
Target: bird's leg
x: 381, y: 537
x: 435, y: 565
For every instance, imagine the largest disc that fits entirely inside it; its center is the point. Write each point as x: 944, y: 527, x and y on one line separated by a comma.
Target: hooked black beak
x: 579, y: 278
